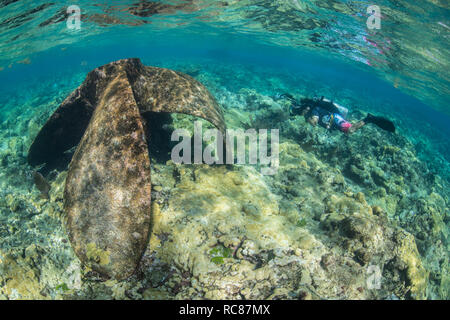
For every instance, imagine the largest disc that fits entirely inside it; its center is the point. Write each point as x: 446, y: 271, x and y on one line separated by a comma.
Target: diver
x: 330, y: 115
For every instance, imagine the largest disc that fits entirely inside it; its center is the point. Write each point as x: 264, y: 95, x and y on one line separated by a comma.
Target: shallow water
x: 244, y: 52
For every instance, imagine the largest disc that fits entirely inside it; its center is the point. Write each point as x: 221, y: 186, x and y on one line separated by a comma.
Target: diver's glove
x: 285, y: 96
x: 277, y: 96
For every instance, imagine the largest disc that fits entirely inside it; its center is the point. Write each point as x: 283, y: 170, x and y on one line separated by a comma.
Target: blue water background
x: 233, y: 49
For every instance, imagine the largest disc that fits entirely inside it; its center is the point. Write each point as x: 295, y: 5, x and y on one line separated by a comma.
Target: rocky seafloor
x: 340, y: 211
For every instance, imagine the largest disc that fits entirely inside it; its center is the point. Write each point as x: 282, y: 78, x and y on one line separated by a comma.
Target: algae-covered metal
x: 107, y: 197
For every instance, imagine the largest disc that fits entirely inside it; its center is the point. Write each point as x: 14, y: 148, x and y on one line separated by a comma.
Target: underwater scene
x: 224, y: 150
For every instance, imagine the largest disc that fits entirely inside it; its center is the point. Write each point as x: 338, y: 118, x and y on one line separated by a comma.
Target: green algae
x: 218, y: 254
x: 97, y: 255
x: 301, y: 223
x: 62, y: 286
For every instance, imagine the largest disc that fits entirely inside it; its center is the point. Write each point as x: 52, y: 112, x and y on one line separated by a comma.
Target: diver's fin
x: 381, y: 122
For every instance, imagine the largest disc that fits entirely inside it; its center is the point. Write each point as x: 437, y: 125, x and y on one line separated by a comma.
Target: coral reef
x: 273, y: 257
x: 345, y: 217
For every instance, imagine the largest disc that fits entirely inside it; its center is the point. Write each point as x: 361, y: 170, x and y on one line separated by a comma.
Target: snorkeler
x: 330, y: 115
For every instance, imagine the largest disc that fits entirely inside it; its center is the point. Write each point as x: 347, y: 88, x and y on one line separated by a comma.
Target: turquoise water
x: 239, y: 50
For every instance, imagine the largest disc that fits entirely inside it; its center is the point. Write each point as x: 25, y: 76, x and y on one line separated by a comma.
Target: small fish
x: 444, y: 25
x: 25, y: 61
x: 42, y: 184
